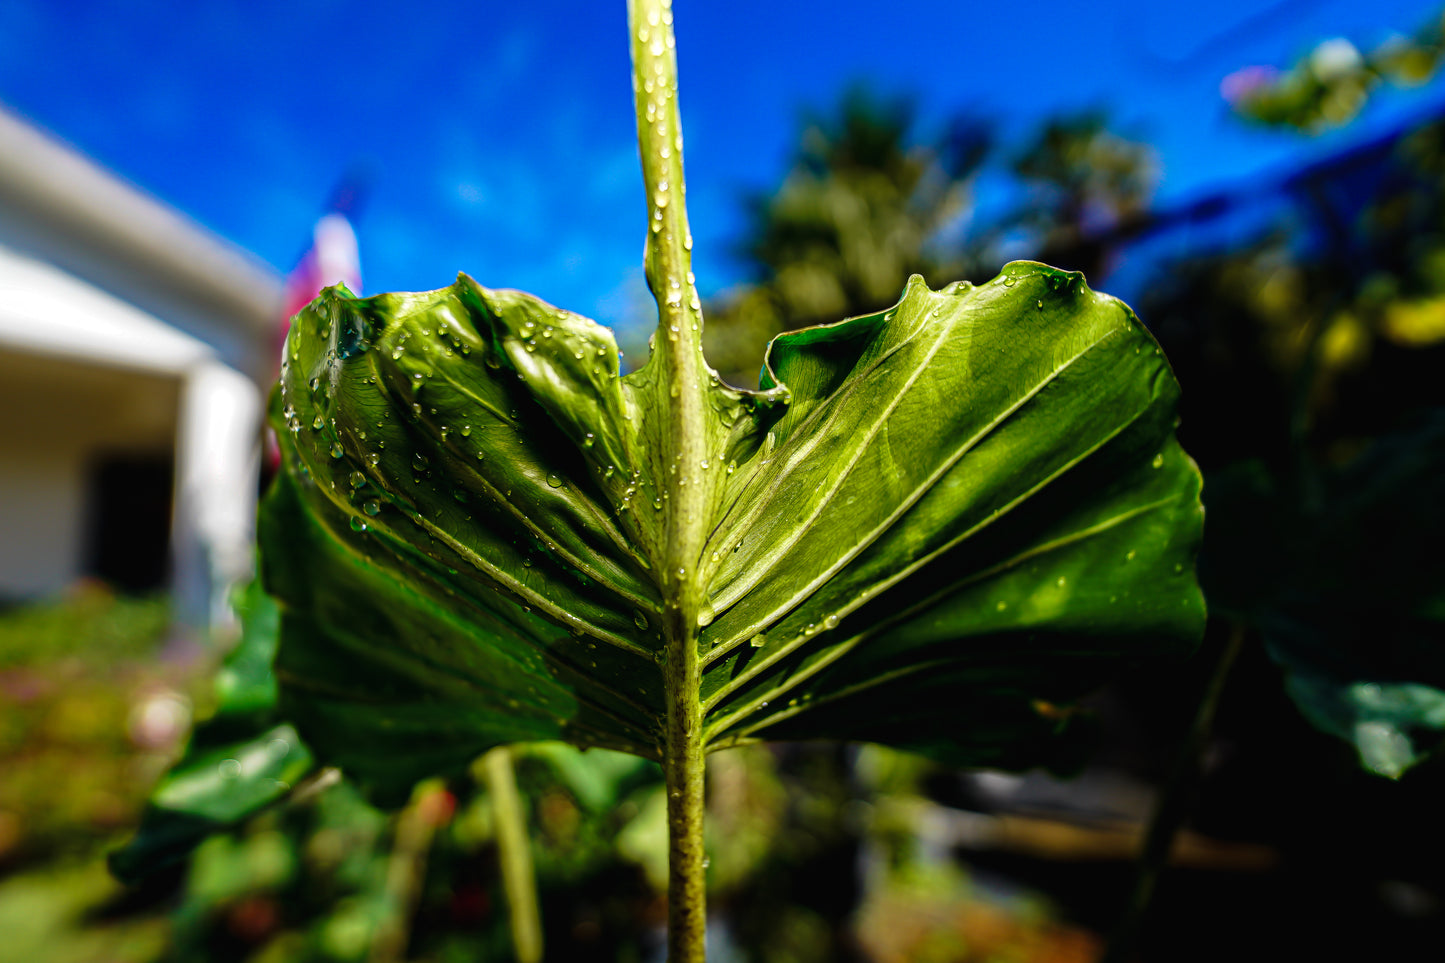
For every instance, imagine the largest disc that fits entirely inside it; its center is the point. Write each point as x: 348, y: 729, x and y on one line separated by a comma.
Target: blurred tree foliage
x: 866, y: 202
x: 1331, y: 85
x: 1083, y: 187
x: 1310, y: 360
x: 1298, y: 349
x: 860, y: 209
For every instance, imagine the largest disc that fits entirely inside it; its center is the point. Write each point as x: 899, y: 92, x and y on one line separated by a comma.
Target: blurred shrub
x: 88, y: 719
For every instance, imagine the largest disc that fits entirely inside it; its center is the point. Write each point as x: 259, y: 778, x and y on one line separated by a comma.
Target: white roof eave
x: 44, y: 310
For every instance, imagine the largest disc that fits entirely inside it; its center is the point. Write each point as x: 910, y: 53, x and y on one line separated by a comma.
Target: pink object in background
x: 1245, y: 82
x: 332, y: 259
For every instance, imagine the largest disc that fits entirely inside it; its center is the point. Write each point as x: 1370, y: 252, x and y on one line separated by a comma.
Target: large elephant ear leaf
x: 933, y: 527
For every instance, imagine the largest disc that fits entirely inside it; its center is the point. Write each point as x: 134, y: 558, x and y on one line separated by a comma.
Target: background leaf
x: 237, y: 763
x: 1339, y: 579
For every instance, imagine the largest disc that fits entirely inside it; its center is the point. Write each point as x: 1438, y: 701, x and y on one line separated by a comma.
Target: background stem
x: 514, y: 851
x: 416, y: 826
x: 1173, y: 806
x: 680, y: 371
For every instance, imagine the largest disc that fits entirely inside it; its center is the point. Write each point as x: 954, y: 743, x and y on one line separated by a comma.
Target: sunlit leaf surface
x: 931, y: 528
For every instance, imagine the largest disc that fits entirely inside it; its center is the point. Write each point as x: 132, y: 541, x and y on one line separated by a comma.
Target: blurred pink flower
x: 1245, y: 82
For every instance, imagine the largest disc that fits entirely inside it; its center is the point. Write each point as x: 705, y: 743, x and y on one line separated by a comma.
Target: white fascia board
x: 48, y: 311
x: 120, y: 223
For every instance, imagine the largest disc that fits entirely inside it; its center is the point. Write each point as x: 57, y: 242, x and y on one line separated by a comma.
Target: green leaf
x: 241, y: 760
x: 1343, y: 582
x: 933, y: 525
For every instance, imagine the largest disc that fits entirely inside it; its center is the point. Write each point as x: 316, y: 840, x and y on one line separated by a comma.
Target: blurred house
x: 134, y: 346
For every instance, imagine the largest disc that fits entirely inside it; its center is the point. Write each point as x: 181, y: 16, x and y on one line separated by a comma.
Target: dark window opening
x: 129, y: 527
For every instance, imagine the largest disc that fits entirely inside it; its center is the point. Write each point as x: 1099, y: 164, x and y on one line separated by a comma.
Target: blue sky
x: 499, y: 136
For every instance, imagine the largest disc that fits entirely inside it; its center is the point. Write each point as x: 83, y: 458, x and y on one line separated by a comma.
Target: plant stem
x: 514, y: 851
x: 405, y: 872
x: 1173, y: 806
x: 683, y: 773
x: 683, y: 374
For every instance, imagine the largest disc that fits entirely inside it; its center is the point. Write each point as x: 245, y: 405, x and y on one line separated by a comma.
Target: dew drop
x: 372, y: 507
x: 337, y: 451
x: 757, y: 641
x: 831, y: 622
x: 554, y: 481
x: 357, y: 525
x: 1158, y: 461
x: 357, y: 479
